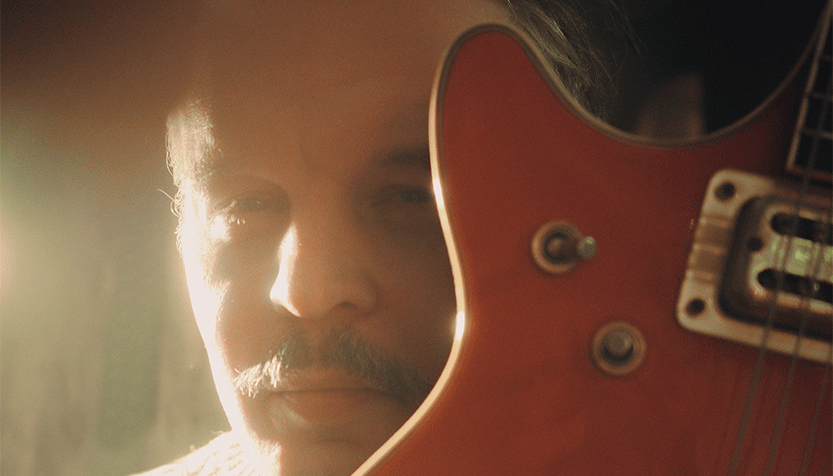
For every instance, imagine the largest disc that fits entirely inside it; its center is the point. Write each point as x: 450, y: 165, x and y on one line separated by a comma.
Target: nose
x: 322, y: 272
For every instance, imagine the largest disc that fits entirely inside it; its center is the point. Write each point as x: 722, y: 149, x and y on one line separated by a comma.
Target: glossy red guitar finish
x: 524, y: 396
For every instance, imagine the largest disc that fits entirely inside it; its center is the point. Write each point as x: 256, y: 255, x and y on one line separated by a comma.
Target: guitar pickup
x: 758, y: 257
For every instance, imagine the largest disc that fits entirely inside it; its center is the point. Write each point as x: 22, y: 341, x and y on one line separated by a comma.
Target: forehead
x: 337, y: 41
x: 317, y: 75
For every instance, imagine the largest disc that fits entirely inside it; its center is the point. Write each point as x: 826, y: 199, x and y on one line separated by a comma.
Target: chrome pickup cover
x: 756, y: 257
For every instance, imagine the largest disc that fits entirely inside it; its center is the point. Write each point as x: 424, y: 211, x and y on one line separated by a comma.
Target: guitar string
x: 827, y: 234
x: 779, y: 286
x: 805, y: 461
x: 807, y: 297
x: 808, y: 447
x: 757, y: 373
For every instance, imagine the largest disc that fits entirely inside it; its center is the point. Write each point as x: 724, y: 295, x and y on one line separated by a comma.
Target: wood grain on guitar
x: 522, y: 393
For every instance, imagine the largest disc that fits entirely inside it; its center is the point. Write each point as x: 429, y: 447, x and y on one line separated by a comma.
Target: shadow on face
x: 315, y: 259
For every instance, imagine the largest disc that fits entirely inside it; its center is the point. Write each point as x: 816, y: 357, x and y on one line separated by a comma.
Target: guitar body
x: 522, y: 393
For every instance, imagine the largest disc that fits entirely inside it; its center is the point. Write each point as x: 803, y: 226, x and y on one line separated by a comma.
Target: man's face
x: 315, y: 259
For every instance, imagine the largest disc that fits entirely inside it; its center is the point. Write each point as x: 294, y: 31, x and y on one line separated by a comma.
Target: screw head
x: 617, y: 346
x: 695, y: 307
x: 560, y: 247
x: 618, y: 349
x: 725, y: 191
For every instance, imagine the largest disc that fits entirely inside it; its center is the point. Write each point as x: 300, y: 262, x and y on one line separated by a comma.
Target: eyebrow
x: 419, y: 157
x: 214, y: 162
x: 212, y: 165
x: 203, y: 169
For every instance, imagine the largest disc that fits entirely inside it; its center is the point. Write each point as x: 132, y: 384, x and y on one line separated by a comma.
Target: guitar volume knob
x: 618, y: 349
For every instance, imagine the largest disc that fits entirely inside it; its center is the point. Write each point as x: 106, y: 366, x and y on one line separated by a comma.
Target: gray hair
x: 582, y: 41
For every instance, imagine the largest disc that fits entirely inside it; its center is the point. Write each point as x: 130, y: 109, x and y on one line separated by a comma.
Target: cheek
x: 205, y: 299
x: 229, y: 296
x: 424, y: 296
x: 235, y: 328
x: 246, y: 328
x: 439, y: 328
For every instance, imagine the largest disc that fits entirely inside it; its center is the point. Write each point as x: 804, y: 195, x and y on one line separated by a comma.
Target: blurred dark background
x: 101, y: 367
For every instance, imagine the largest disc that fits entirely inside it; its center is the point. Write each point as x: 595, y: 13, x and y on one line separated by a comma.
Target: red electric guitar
x: 627, y: 308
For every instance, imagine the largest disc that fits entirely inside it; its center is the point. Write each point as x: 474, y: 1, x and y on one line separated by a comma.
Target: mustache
x: 340, y: 349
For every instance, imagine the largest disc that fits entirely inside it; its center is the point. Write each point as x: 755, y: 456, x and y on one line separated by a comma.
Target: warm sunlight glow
x: 280, y: 289
x: 203, y: 298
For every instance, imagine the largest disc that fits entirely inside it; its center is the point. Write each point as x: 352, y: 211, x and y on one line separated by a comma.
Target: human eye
x: 404, y: 195
x: 245, y: 205
x: 249, y: 215
x: 407, y: 208
x: 412, y: 196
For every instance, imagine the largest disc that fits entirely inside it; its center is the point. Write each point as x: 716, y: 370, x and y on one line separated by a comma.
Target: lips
x: 316, y: 378
x: 340, y: 361
x: 331, y: 406
x: 318, y: 396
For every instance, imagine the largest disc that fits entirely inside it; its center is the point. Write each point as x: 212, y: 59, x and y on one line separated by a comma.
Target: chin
x: 330, y: 459
x: 326, y: 458
x: 284, y: 443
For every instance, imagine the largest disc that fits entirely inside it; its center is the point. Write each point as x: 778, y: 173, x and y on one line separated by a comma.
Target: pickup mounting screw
x: 725, y: 191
